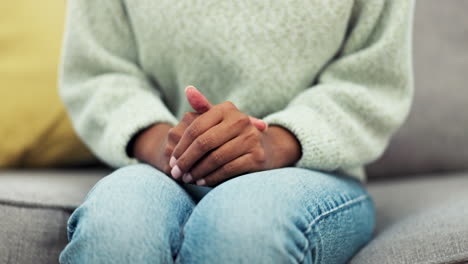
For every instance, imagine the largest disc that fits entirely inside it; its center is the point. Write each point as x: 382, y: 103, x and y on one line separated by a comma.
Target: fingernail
x: 176, y: 172
x: 187, y: 177
x: 172, y: 162
x: 190, y: 86
x: 201, y: 182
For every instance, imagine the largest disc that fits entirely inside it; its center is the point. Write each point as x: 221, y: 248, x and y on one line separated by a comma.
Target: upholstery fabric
x: 37, y: 130
x: 435, y: 135
x: 31, y: 235
x: 422, y: 220
x: 419, y: 220
x: 51, y: 188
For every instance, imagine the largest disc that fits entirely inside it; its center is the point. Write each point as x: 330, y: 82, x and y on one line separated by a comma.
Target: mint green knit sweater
x: 336, y: 73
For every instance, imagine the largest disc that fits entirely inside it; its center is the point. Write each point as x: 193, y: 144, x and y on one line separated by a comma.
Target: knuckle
x: 189, y: 117
x: 174, y: 135
x: 240, y: 122
x: 168, y: 150
x: 203, y: 143
x: 252, y: 137
x: 228, y: 168
x: 219, y: 108
x: 228, y: 105
x: 244, y: 119
x: 217, y: 158
x: 259, y: 156
x: 193, y: 131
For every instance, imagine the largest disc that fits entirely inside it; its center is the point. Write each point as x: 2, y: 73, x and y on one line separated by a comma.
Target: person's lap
x: 287, y: 215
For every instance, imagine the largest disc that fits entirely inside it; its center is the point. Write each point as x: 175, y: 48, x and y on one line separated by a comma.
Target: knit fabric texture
x: 336, y: 73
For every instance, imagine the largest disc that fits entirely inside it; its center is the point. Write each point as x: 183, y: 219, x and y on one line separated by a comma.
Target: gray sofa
x: 420, y: 184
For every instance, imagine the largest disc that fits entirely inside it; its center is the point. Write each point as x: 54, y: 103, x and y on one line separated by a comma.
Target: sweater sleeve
x: 347, y: 117
x: 107, y: 95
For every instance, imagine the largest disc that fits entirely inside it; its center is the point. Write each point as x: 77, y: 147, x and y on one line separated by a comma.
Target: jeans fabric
x: 137, y: 214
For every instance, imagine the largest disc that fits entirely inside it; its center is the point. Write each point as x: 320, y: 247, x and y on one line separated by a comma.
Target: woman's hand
x: 223, y: 143
x: 200, y: 104
x: 155, y: 144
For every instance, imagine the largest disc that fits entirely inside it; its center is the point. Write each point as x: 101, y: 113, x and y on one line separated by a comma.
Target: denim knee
x: 273, y: 217
x: 134, y: 214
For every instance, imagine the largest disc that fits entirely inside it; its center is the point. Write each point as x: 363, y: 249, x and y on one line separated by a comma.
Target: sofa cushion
x: 33, y: 118
x: 34, y: 209
x: 435, y: 135
x: 51, y: 188
x: 423, y: 220
x: 31, y: 235
x: 419, y: 220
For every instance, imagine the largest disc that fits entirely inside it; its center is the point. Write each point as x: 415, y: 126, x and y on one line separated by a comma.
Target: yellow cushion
x: 35, y: 130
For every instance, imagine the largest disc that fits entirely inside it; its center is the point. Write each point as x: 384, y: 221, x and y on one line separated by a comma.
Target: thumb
x: 201, y: 104
x: 197, y: 100
x: 258, y: 123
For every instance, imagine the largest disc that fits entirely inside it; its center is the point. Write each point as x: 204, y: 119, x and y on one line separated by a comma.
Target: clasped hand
x: 217, y: 143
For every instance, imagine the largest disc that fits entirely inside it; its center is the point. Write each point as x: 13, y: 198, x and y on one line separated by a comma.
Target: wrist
x: 285, y: 148
x: 149, y: 142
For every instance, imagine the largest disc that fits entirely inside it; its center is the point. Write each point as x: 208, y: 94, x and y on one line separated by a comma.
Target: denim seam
x: 182, y: 233
x: 321, y: 216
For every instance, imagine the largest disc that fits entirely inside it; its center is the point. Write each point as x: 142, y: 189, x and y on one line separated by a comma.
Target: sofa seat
x: 34, y: 208
x: 421, y: 219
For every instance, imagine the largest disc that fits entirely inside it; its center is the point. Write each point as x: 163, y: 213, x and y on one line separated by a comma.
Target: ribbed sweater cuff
x: 320, y: 147
x: 316, y: 140
x: 135, y: 114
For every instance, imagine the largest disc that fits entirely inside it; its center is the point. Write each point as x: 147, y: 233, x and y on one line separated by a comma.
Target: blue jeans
x: 137, y: 214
